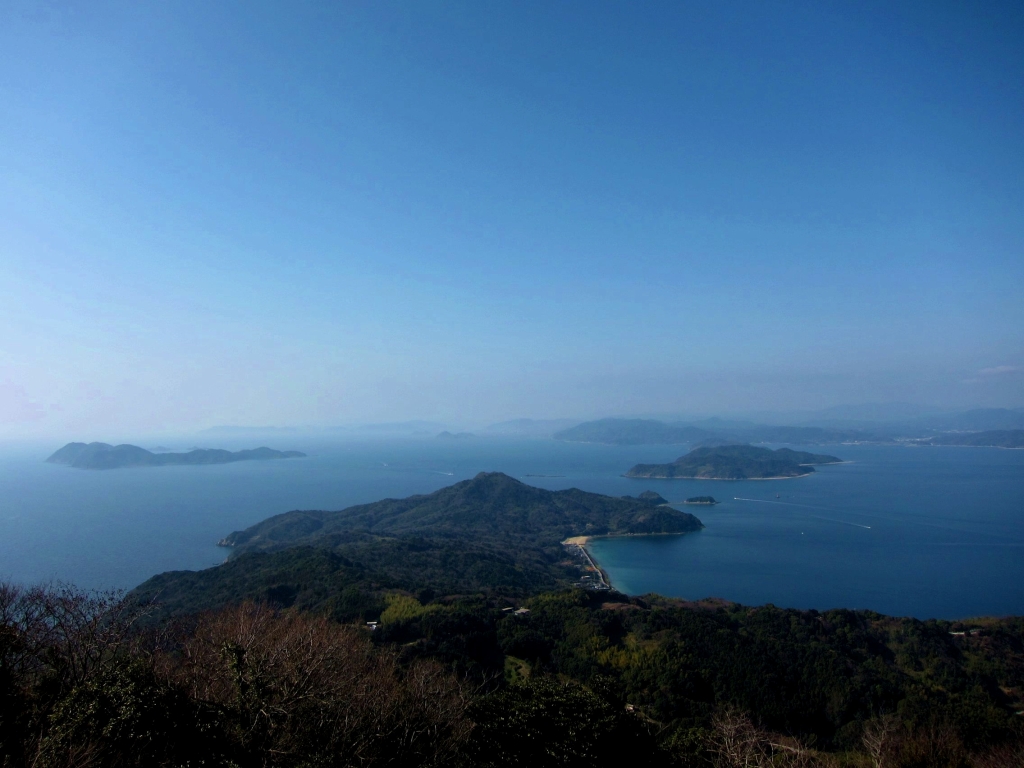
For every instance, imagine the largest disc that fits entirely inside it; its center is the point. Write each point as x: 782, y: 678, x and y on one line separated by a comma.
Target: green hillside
x: 490, y: 533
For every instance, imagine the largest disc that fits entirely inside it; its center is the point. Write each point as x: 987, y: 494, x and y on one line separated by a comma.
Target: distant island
x: 735, y: 462
x: 993, y: 438
x: 446, y: 435
x: 105, y: 456
x: 709, y: 500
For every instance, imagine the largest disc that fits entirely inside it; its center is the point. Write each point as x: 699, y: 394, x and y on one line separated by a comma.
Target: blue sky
x: 323, y: 213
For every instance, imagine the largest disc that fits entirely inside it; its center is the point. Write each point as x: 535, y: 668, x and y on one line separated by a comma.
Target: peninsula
x: 735, y: 462
x: 105, y: 456
x: 492, y: 534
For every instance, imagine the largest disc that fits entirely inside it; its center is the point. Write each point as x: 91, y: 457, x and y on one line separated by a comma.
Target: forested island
x: 105, y: 456
x: 735, y: 462
x: 708, y: 500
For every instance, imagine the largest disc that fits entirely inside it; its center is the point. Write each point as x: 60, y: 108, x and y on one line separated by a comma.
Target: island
x: 446, y: 435
x: 706, y: 500
x: 735, y: 462
x: 105, y: 456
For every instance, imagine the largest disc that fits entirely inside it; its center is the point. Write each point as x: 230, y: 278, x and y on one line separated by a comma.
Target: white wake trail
x: 805, y: 506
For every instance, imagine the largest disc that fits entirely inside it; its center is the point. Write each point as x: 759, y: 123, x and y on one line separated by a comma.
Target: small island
x: 105, y: 456
x: 735, y: 462
x: 706, y: 500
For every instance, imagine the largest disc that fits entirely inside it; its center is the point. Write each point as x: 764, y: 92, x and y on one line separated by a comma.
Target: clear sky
x: 323, y: 213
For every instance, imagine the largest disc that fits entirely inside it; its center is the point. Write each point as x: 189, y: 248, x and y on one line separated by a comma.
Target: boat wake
x: 805, y: 506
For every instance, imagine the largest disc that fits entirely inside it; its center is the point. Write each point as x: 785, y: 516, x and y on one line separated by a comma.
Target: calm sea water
x: 928, y: 532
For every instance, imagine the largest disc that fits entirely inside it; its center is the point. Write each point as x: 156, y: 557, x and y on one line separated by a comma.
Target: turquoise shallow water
x: 923, y: 532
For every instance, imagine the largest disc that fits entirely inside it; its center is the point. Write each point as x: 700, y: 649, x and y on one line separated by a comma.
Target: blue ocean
x: 926, y: 532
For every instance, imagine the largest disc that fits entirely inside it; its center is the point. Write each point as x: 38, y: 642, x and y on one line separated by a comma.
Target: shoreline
x: 582, y: 541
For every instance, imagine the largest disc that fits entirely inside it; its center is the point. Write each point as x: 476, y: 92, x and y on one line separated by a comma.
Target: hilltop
x: 105, y: 456
x: 735, y: 462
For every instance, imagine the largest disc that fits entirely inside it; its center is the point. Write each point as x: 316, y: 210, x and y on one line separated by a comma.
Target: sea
x: 929, y: 532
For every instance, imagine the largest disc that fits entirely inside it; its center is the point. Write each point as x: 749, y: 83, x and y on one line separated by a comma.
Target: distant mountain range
x: 988, y: 424
x: 632, y: 432
x: 650, y: 432
x: 105, y: 456
x: 233, y: 430
x: 997, y: 438
x: 529, y: 427
x: 978, y: 420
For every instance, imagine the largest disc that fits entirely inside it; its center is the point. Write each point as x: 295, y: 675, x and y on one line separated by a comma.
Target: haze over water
x: 928, y: 532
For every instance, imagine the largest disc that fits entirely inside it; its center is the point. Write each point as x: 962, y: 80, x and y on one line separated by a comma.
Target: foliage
x: 544, y: 722
x: 596, y: 677
x: 243, y: 686
x: 404, y: 608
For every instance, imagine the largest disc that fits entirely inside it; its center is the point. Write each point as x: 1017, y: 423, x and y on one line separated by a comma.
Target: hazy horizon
x: 318, y: 216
